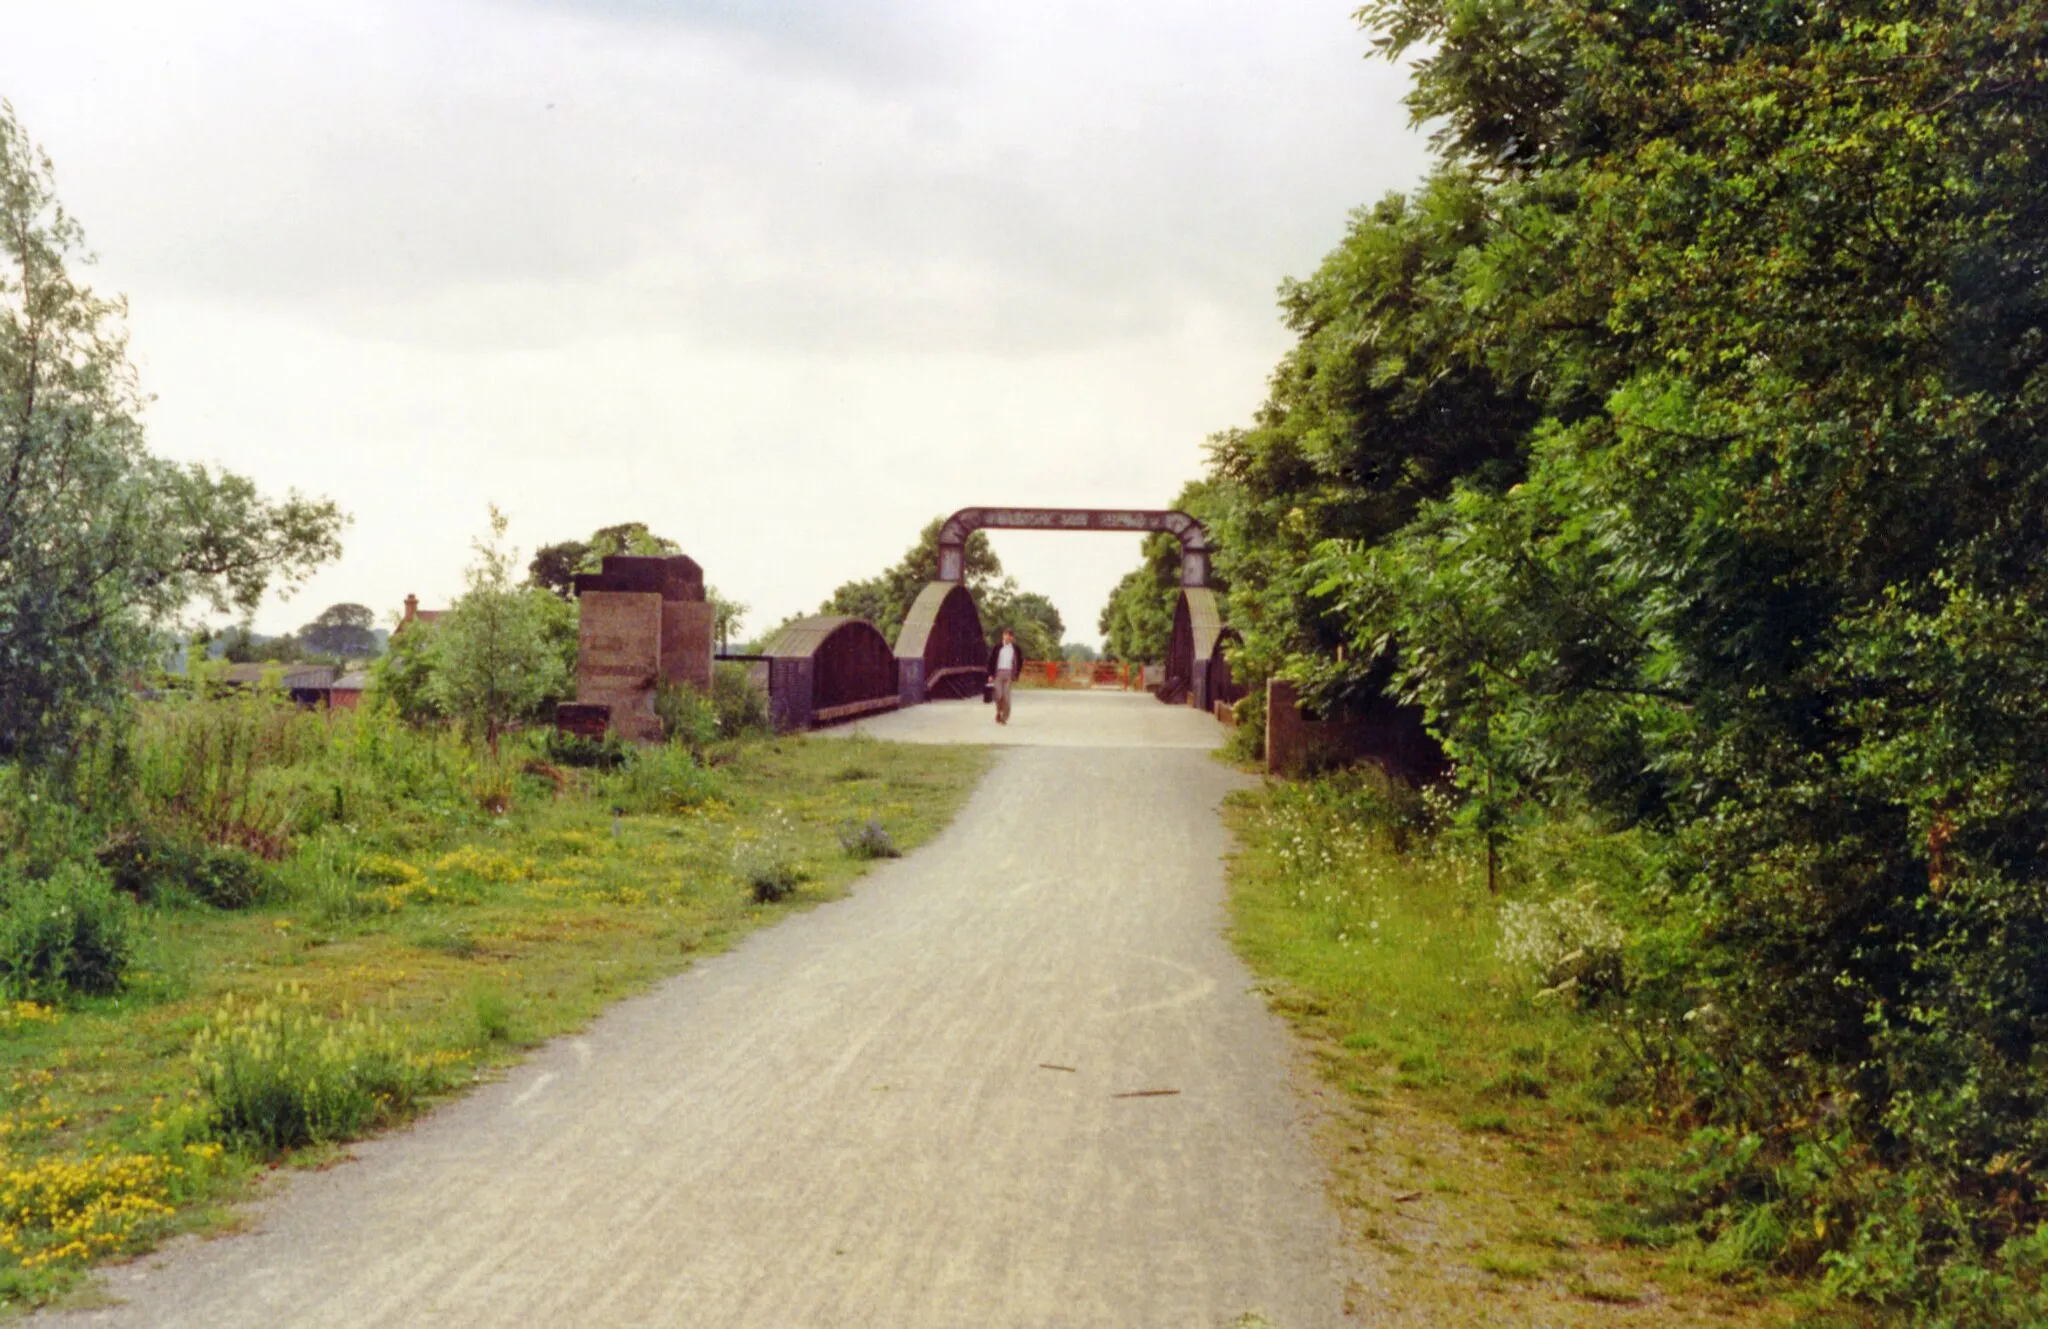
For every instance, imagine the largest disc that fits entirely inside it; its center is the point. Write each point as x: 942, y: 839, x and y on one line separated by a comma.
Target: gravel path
x: 853, y: 1118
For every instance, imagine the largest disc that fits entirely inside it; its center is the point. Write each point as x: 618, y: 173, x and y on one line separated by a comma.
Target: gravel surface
x: 1017, y: 1078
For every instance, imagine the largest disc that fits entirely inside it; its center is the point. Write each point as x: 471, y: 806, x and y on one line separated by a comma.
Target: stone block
x: 686, y: 645
x: 618, y: 658
x: 1389, y: 735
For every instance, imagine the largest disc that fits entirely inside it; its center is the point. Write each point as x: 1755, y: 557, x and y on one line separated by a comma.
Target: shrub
x: 688, y: 717
x: 867, y: 839
x: 277, y: 1075
x: 1568, y: 943
x: 1247, y: 740
x: 565, y: 749
x: 148, y: 865
x: 68, y: 932
x: 767, y: 863
x: 740, y: 704
x: 660, y: 779
x: 341, y: 887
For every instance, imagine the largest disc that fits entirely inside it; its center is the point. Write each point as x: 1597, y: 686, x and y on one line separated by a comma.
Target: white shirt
x: 1006, y: 659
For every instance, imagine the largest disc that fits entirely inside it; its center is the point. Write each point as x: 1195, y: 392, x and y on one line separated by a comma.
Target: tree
x: 1137, y: 622
x: 1678, y: 445
x: 1030, y: 615
x: 403, y: 677
x: 241, y: 645
x: 102, y: 545
x: 885, y: 600
x: 554, y: 567
x: 494, y: 658
x: 727, y: 616
x: 345, y: 631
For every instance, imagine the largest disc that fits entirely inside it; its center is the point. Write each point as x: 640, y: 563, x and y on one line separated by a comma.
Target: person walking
x: 1005, y: 662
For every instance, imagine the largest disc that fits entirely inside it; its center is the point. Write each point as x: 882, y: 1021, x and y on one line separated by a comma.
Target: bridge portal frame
x: 1193, y: 536
x: 1195, y: 668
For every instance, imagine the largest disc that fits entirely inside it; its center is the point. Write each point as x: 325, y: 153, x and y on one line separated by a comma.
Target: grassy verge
x: 390, y: 966
x: 1478, y: 1153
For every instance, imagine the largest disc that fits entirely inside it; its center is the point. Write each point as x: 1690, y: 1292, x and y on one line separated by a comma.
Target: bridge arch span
x: 942, y: 650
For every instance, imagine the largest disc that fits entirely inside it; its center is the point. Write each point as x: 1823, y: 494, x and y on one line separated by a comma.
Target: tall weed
x: 276, y: 1074
x: 68, y: 932
x: 660, y: 778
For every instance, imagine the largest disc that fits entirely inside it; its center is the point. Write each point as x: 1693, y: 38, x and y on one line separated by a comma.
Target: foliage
x: 58, y: 1210
x: 1031, y: 616
x: 102, y: 545
x: 1137, y: 621
x: 241, y: 644
x: 664, y: 777
x: 688, y: 715
x: 1368, y: 924
x: 885, y: 600
x: 867, y: 839
x: 149, y: 865
x: 741, y: 703
x: 343, y: 631
x: 554, y: 567
x: 767, y: 862
x: 495, y: 660
x: 1677, y: 445
x: 402, y: 678
x: 565, y: 749
x: 67, y: 933
x: 728, y: 616
x: 277, y: 1075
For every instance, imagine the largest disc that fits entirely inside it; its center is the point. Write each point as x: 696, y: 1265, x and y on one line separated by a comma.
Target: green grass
x: 467, y: 937
x: 1475, y: 1116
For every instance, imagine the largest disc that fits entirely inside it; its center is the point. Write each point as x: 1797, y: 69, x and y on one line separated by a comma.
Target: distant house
x: 310, y: 685
x: 347, y: 691
x: 415, y: 614
x: 249, y: 675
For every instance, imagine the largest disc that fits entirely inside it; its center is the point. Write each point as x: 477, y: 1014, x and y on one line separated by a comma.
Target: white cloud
x: 784, y: 280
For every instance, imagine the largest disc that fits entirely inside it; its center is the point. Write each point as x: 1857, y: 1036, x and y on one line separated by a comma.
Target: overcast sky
x: 784, y: 279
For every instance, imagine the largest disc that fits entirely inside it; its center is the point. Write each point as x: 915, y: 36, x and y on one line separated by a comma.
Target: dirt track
x: 846, y: 1120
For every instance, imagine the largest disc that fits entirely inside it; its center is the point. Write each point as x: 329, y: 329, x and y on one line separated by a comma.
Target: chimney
x: 412, y: 608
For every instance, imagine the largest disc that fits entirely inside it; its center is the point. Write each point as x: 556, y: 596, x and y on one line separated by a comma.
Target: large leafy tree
x: 346, y: 631
x: 102, y: 545
x: 1030, y: 615
x: 1137, y: 621
x: 1680, y: 445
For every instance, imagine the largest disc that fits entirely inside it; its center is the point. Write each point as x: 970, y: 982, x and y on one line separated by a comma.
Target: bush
x: 741, y: 705
x: 867, y: 839
x: 767, y: 864
x: 149, y: 865
x: 1247, y: 741
x: 67, y: 933
x: 277, y: 1075
x: 688, y: 717
x: 342, y: 885
x: 661, y: 779
x: 597, y: 754
x: 1569, y: 944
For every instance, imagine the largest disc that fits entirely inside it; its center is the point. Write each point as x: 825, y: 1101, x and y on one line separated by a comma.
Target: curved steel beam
x: 1193, y: 536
